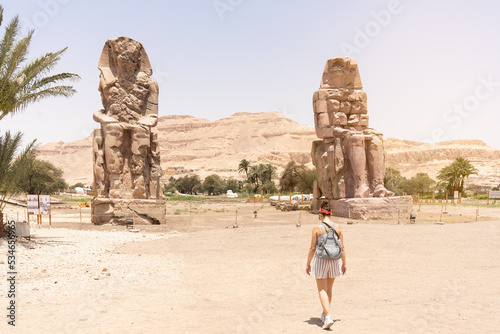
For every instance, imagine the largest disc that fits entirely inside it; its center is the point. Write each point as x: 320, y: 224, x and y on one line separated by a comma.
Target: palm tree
x: 465, y: 169
x: 453, y: 176
x: 11, y: 163
x: 254, y: 176
x: 23, y: 83
x: 244, y: 166
x: 269, y: 172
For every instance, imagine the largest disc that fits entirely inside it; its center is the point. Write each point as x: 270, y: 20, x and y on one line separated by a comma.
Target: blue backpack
x: 329, y: 246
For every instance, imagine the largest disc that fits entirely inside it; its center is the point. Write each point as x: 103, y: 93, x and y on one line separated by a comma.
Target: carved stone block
x: 345, y: 107
x: 320, y: 106
x: 358, y: 107
x: 338, y: 119
x: 333, y: 105
x: 353, y: 120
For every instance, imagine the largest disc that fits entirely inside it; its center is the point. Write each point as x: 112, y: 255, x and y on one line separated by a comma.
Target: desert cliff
x: 194, y: 145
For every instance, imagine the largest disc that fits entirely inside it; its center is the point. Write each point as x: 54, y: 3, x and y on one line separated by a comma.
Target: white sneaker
x: 322, y: 317
x: 328, y: 322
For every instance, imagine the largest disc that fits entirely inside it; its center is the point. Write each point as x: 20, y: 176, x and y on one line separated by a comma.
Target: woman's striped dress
x: 323, y: 268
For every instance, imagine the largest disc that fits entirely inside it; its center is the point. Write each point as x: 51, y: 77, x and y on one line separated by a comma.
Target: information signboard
x: 32, y: 204
x: 45, y: 204
x: 455, y: 194
x: 494, y: 194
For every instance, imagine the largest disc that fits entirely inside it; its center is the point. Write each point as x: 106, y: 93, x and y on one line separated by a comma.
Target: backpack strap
x: 331, y: 229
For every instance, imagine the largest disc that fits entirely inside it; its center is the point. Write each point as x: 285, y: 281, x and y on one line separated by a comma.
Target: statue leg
x: 355, y: 147
x: 320, y: 161
x: 154, y: 161
x: 99, y: 185
x: 99, y: 176
x: 113, y: 141
x: 339, y: 168
x: 376, y: 167
x: 140, y: 147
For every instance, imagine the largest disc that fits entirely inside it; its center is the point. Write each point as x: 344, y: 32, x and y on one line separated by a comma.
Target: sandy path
x: 401, y: 278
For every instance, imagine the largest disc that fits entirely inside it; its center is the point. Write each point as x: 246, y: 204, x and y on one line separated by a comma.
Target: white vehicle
x: 230, y: 194
x: 307, y: 198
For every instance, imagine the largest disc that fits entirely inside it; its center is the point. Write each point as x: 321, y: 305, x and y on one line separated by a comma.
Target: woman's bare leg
x: 329, y: 286
x: 323, y: 295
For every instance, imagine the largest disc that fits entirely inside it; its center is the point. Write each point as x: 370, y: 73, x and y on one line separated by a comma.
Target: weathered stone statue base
x: 369, y: 208
x: 116, y: 211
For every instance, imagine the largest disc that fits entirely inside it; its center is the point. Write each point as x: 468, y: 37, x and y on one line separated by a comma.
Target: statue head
x: 123, y: 56
x: 341, y: 72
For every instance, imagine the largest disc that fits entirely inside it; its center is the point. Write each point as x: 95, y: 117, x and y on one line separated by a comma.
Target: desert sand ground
x: 200, y: 275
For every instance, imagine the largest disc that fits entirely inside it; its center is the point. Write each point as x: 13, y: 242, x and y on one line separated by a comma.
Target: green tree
x: 260, y: 174
x: 269, y: 172
x: 188, y: 184
x: 394, y: 181
x: 191, y: 183
x: 244, y: 166
x: 421, y: 183
x: 257, y: 175
x: 306, y: 180
x: 232, y: 184
x: 76, y: 185
x: 254, y: 175
x: 213, y: 184
x: 297, y: 177
x: 22, y: 82
x: 453, y: 176
x: 289, y: 179
x: 170, y: 186
x: 248, y: 188
x: 40, y: 177
x: 269, y: 186
x: 12, y: 160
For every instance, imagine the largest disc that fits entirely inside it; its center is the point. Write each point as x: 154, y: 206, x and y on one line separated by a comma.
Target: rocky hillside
x: 414, y: 157
x: 193, y: 145
x: 219, y: 146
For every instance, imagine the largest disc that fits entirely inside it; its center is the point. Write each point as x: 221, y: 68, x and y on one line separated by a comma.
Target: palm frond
x: 42, y: 65
x: 8, y: 147
x: 46, y: 81
x: 8, y: 40
x: 29, y: 86
x: 37, y: 96
x: 16, y: 57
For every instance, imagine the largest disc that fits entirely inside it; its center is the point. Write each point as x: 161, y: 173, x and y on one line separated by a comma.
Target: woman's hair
x: 325, y: 209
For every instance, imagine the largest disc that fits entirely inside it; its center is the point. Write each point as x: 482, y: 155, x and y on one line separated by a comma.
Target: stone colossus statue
x: 349, y: 158
x: 126, y: 151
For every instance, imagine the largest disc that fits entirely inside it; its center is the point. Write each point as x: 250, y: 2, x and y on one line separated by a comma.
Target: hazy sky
x: 430, y: 68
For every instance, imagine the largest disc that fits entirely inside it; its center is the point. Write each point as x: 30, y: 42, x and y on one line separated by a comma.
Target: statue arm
x: 338, y: 131
x: 371, y: 131
x: 151, y: 117
x: 101, y: 117
x: 149, y: 120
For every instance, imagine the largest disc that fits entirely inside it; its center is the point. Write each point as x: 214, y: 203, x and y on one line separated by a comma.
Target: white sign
x: 494, y: 194
x: 45, y: 204
x: 455, y: 194
x: 32, y: 204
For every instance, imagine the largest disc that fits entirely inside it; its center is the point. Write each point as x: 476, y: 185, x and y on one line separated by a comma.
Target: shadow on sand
x: 319, y: 323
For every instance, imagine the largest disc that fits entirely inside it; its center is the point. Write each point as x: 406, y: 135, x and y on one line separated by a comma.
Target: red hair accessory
x: 326, y: 212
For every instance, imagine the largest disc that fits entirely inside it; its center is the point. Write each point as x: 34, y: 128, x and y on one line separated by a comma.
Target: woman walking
x: 325, y: 270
